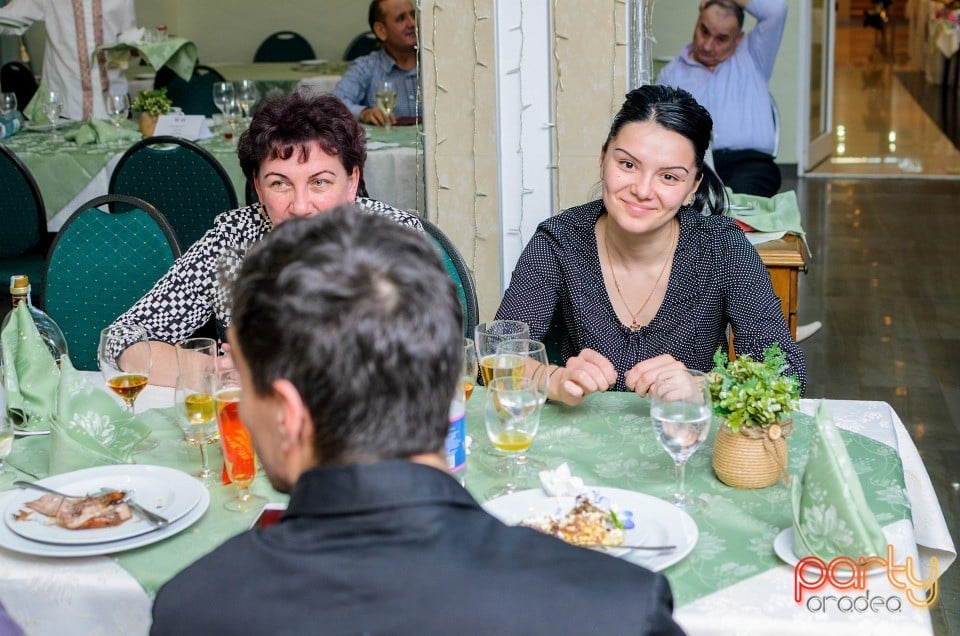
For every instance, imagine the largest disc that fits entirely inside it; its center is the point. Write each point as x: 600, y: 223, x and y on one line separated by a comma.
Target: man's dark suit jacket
x: 400, y: 548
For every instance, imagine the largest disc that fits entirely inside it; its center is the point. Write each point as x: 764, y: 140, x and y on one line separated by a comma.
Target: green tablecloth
x: 63, y: 169
x: 608, y: 441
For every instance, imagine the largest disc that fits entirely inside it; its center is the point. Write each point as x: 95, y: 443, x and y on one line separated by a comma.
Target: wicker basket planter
x: 753, y: 457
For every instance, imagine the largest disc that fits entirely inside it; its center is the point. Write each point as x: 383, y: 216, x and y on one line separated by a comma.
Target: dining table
x: 70, y: 174
x: 724, y: 571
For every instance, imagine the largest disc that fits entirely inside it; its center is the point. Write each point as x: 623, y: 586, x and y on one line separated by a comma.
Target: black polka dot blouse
x: 717, y: 279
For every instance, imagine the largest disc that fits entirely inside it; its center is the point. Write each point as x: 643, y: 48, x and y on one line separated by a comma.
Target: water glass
x: 51, y: 104
x: 247, y: 96
x: 118, y: 108
x: 681, y: 410
x: 387, y: 100
x: 510, y: 403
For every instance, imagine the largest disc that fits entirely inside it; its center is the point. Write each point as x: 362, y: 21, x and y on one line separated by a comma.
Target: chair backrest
x: 361, y: 45
x: 284, y: 46
x: 194, y: 97
x: 459, y: 273
x: 100, y: 263
x: 180, y: 179
x: 24, y: 221
x: 17, y: 77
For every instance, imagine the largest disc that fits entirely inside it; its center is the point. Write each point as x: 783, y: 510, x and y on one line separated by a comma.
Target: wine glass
x: 680, y: 408
x: 118, y: 107
x: 124, y: 359
x: 247, y: 96
x: 238, y: 455
x: 223, y: 94
x: 509, y: 403
x: 469, y: 367
x: 387, y: 101
x: 8, y: 103
x: 50, y: 105
x: 488, y: 335
x: 6, y: 444
x: 522, y: 357
x: 193, y: 395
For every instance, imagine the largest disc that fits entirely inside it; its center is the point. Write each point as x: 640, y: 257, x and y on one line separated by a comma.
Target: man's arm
x: 353, y: 86
x: 763, y: 40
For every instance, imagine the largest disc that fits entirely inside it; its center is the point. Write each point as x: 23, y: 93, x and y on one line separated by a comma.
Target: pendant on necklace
x: 634, y: 326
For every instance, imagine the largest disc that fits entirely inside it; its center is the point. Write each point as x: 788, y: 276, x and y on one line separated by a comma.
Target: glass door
x: 817, y: 22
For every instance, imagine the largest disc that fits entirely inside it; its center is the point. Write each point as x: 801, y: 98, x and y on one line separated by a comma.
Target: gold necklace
x: 633, y: 315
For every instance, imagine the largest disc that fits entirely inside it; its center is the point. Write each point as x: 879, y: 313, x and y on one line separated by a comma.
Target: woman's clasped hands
x: 590, y: 372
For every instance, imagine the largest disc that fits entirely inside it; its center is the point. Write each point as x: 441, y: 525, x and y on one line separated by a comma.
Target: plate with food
x: 99, y: 512
x: 619, y: 522
x: 14, y: 542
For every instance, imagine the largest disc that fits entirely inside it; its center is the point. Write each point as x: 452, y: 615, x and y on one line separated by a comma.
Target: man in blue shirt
x: 728, y: 71
x: 394, y: 22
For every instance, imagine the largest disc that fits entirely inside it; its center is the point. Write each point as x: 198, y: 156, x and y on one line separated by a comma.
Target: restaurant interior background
x: 883, y: 336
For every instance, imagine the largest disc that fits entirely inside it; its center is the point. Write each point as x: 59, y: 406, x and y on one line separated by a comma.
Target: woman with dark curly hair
x: 304, y: 155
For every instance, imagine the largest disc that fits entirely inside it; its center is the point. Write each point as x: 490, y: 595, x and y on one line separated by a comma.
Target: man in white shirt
x: 75, y: 28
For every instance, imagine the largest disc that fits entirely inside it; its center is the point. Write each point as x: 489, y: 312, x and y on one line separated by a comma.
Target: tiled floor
x: 885, y: 272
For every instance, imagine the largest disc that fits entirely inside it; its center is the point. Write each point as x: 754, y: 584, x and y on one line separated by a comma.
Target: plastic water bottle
x: 9, y: 124
x: 456, y: 445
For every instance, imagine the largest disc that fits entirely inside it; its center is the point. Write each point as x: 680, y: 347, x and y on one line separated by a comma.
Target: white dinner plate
x: 312, y: 62
x: 14, y: 542
x: 656, y: 522
x: 145, y: 76
x: 168, y: 492
x: 783, y: 546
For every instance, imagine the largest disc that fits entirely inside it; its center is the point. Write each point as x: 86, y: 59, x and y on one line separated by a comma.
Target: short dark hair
x: 375, y: 14
x: 732, y: 7
x: 359, y: 314
x: 289, y: 123
x: 675, y: 109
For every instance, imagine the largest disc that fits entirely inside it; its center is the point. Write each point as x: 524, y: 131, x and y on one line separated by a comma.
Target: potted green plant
x: 754, y: 400
x: 151, y: 104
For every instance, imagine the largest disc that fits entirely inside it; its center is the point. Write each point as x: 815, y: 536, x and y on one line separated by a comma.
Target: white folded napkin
x: 132, y: 36
x: 560, y: 483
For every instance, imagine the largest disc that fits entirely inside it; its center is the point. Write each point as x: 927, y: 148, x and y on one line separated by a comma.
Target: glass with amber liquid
x: 124, y: 359
x: 238, y: 455
x: 488, y: 335
x: 387, y: 101
x: 196, y: 414
x: 509, y: 405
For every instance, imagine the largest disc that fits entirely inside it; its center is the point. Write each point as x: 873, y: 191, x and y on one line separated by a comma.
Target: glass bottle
x: 456, y: 443
x: 50, y: 332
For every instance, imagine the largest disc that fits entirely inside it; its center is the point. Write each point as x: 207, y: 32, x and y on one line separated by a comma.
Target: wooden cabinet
x: 784, y: 259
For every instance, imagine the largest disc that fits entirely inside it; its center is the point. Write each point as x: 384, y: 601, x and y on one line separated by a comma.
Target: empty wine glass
x: 223, y: 94
x: 247, y: 96
x: 238, y: 455
x: 681, y: 411
x: 387, y: 100
x: 8, y: 103
x: 118, y: 107
x: 50, y: 105
x: 509, y: 403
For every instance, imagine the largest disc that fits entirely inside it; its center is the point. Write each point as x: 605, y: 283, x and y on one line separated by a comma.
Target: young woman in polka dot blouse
x: 649, y: 277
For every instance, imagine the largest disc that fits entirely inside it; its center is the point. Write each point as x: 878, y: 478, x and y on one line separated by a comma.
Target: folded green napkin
x: 179, y: 54
x: 830, y: 514
x: 90, y: 427
x: 97, y: 131
x: 779, y: 213
x: 33, y: 111
x: 30, y: 373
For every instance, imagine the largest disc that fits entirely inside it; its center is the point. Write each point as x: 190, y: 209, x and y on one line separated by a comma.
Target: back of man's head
x: 359, y: 315
x: 729, y: 6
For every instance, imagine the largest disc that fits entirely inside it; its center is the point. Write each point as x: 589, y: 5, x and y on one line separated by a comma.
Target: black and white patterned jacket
x: 185, y: 298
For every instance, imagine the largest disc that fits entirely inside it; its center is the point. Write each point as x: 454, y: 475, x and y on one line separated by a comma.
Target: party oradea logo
x: 812, y: 578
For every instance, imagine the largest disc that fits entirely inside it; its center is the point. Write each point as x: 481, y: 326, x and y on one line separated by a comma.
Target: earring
x: 692, y: 198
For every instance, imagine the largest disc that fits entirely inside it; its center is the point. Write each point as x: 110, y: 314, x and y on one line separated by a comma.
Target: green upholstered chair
x: 23, y: 241
x: 178, y: 177
x: 284, y: 46
x: 100, y: 263
x: 363, y: 44
x: 194, y: 97
x: 457, y: 270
